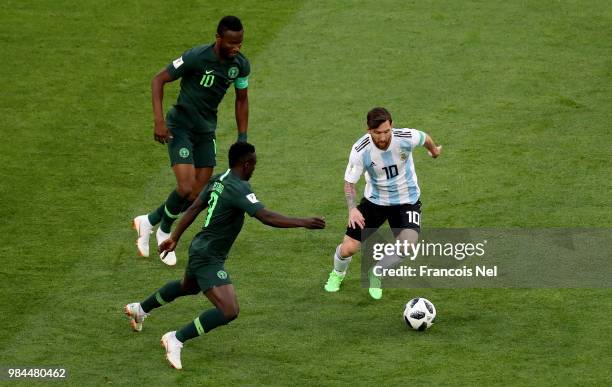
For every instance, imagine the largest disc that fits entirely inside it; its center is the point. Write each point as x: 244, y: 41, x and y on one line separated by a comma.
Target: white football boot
x: 136, y: 314
x: 170, y: 258
x: 173, y: 349
x: 144, y: 229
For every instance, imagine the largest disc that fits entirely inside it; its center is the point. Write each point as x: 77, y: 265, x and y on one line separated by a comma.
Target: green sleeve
x: 242, y: 82
x: 247, y: 201
x: 183, y: 64
x: 245, y: 69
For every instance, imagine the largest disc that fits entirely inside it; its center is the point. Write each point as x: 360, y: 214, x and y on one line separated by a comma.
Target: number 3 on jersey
x: 212, y: 203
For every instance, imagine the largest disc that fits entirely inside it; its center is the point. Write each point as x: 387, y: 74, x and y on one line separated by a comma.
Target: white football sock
x: 389, y: 261
x: 341, y: 264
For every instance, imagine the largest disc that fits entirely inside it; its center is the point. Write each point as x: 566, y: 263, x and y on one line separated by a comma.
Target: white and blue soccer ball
x: 420, y: 313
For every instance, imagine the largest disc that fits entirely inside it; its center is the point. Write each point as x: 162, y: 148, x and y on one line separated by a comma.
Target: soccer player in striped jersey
x: 384, y: 156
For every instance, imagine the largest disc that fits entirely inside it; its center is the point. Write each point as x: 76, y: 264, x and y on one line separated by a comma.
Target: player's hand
x: 161, y: 133
x: 166, y: 246
x: 314, y: 223
x: 356, y: 219
x: 436, y: 151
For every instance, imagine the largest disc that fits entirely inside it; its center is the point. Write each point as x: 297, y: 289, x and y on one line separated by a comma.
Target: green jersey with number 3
x: 228, y: 198
x: 205, y: 79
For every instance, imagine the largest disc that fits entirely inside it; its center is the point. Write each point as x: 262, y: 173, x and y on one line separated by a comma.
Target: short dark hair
x: 377, y: 116
x: 238, y: 152
x: 231, y: 23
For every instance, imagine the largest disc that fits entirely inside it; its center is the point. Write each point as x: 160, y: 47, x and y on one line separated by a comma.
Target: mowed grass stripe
x: 326, y: 126
x: 470, y: 319
x: 94, y: 242
x: 287, y: 323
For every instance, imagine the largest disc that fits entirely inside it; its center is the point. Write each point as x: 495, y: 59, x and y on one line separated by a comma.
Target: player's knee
x: 195, y: 191
x: 230, y: 312
x: 345, y: 251
x: 349, y: 247
x: 189, y: 287
x: 194, y: 291
x: 184, y: 189
x: 192, y: 197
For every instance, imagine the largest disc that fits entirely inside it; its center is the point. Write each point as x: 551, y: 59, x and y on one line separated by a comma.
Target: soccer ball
x: 419, y: 314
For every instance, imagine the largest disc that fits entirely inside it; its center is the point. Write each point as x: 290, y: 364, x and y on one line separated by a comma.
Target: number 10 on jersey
x: 391, y: 171
x: 414, y: 217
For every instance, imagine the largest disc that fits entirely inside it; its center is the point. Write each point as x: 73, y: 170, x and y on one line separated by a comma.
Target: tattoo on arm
x: 349, y: 193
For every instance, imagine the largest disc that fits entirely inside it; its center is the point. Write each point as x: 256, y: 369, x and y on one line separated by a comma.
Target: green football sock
x: 167, y: 293
x: 187, y: 204
x: 204, y: 323
x: 172, y: 210
x: 155, y: 216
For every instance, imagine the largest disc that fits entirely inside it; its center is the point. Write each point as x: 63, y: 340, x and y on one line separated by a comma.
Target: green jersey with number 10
x: 205, y: 79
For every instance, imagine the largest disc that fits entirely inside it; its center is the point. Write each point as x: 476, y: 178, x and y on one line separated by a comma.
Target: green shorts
x: 187, y: 146
x: 208, y: 274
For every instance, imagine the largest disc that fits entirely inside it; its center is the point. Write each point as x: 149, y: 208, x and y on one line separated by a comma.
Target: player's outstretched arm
x: 186, y: 220
x: 274, y: 219
x: 160, y: 132
x: 432, y: 149
x: 242, y: 113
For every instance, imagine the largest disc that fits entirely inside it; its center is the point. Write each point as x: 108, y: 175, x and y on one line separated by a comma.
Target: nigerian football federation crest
x: 222, y: 274
x: 184, y: 152
x: 232, y: 72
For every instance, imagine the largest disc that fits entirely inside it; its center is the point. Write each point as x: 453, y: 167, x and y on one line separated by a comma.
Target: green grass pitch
x: 518, y: 92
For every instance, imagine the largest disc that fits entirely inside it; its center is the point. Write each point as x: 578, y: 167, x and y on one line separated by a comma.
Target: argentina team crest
x: 232, y: 72
x: 403, y: 156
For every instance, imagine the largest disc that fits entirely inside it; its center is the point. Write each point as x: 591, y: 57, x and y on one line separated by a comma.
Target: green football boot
x: 375, y: 289
x: 334, y: 281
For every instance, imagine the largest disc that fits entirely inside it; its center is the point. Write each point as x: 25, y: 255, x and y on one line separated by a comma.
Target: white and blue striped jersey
x: 390, y: 175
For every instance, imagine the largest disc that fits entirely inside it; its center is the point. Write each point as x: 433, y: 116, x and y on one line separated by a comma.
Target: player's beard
x: 227, y: 53
x: 382, y: 144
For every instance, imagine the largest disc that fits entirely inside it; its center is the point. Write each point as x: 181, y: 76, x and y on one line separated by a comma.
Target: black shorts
x: 207, y: 274
x: 400, y: 217
x: 189, y: 148
x: 187, y: 145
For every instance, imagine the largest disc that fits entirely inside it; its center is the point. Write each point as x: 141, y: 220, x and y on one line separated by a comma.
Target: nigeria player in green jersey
x: 228, y: 196
x: 206, y: 73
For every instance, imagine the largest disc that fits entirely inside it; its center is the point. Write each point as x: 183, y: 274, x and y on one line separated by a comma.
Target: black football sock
x: 155, y: 216
x: 187, y: 204
x: 167, y: 293
x: 204, y: 323
x: 172, y: 210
